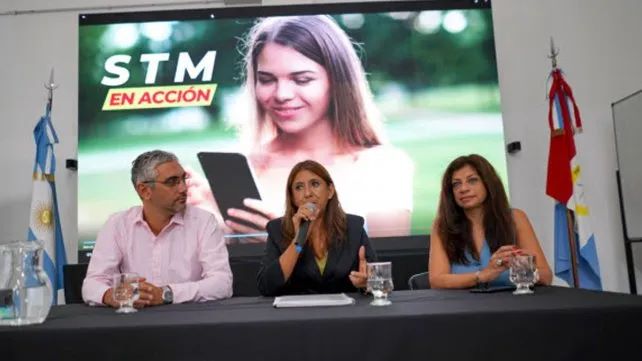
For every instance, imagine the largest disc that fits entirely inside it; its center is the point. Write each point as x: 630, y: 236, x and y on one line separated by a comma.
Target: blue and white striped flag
x: 44, y: 220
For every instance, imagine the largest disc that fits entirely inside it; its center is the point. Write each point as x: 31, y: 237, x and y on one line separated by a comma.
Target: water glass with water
x: 125, y: 291
x: 380, y: 282
x: 523, y: 273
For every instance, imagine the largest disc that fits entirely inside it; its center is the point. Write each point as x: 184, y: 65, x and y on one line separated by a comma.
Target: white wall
x: 29, y: 50
x: 600, y: 53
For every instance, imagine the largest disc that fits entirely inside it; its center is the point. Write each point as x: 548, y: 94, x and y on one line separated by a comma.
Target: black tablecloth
x: 553, y: 324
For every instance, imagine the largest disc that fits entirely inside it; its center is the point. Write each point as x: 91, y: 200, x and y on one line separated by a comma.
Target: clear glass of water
x: 523, y: 273
x: 380, y: 282
x: 125, y: 291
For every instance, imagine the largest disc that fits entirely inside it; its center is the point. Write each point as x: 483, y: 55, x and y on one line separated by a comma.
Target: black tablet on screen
x: 231, y: 180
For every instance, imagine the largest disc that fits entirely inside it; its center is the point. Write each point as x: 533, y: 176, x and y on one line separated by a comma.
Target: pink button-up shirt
x: 189, y: 255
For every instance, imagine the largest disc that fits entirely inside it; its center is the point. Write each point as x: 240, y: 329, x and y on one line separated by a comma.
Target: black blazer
x: 306, y: 278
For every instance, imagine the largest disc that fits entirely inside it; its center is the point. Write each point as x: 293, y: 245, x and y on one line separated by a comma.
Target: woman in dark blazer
x: 331, y: 255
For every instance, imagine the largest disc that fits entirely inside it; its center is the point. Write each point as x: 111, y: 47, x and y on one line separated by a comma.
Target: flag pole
x: 50, y: 86
x: 570, y: 217
x: 552, y: 56
x: 570, y: 222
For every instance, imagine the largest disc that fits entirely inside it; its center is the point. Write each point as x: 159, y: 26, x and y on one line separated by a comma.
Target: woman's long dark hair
x: 454, y: 227
x: 334, y: 218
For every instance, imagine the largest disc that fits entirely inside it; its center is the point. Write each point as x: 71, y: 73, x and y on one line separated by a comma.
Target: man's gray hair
x: 144, y: 166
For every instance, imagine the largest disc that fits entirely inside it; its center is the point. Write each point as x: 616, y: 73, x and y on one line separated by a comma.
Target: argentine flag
x: 44, y: 221
x: 574, y: 241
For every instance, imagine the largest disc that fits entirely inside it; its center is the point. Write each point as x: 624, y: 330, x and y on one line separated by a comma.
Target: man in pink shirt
x: 178, y: 250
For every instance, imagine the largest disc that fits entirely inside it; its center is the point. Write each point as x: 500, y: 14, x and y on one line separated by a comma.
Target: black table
x: 553, y: 324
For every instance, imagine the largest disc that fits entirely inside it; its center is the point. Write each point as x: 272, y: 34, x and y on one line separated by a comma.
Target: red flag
x: 575, y: 251
x: 559, y: 181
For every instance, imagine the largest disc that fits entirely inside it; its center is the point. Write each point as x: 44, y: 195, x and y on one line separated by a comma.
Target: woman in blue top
x: 476, y: 231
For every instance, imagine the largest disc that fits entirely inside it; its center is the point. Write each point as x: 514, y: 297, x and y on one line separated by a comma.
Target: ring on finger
x: 499, y: 262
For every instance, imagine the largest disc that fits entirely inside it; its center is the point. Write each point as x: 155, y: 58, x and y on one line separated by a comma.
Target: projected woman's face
x: 292, y: 89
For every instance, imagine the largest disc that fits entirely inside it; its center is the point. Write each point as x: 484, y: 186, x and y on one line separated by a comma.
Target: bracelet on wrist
x: 478, y: 280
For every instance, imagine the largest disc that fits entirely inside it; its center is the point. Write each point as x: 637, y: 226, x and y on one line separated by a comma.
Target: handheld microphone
x: 302, y: 236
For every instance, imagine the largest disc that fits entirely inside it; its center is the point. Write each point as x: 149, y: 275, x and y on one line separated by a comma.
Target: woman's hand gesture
x: 359, y: 278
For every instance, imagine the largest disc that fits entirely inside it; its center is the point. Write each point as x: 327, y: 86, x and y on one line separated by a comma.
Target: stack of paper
x: 335, y: 299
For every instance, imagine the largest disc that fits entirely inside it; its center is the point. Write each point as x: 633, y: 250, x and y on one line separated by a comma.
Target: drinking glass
x: 380, y: 282
x: 523, y: 273
x: 125, y: 291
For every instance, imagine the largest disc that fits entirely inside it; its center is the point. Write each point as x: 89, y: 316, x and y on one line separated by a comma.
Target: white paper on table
x: 333, y: 299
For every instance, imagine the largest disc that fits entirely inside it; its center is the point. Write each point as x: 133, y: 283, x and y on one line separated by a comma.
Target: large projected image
x: 384, y: 97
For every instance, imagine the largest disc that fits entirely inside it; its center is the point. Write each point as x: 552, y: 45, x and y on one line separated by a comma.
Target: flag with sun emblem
x: 44, y: 221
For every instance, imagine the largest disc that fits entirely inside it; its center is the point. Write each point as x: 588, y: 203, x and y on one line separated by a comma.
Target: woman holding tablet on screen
x: 309, y: 99
x: 476, y: 231
x: 315, y: 247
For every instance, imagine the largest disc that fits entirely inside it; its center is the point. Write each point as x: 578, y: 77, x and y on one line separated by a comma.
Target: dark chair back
x: 245, y: 270
x: 419, y: 281
x: 73, y: 275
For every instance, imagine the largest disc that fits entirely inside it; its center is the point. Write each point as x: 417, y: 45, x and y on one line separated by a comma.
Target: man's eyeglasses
x: 171, y: 182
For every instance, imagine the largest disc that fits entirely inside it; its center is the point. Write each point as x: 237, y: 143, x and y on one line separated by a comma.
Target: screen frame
x: 278, y: 10
x: 399, y: 244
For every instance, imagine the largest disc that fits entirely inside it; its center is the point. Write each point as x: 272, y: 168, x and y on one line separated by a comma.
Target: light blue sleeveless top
x: 474, y: 266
